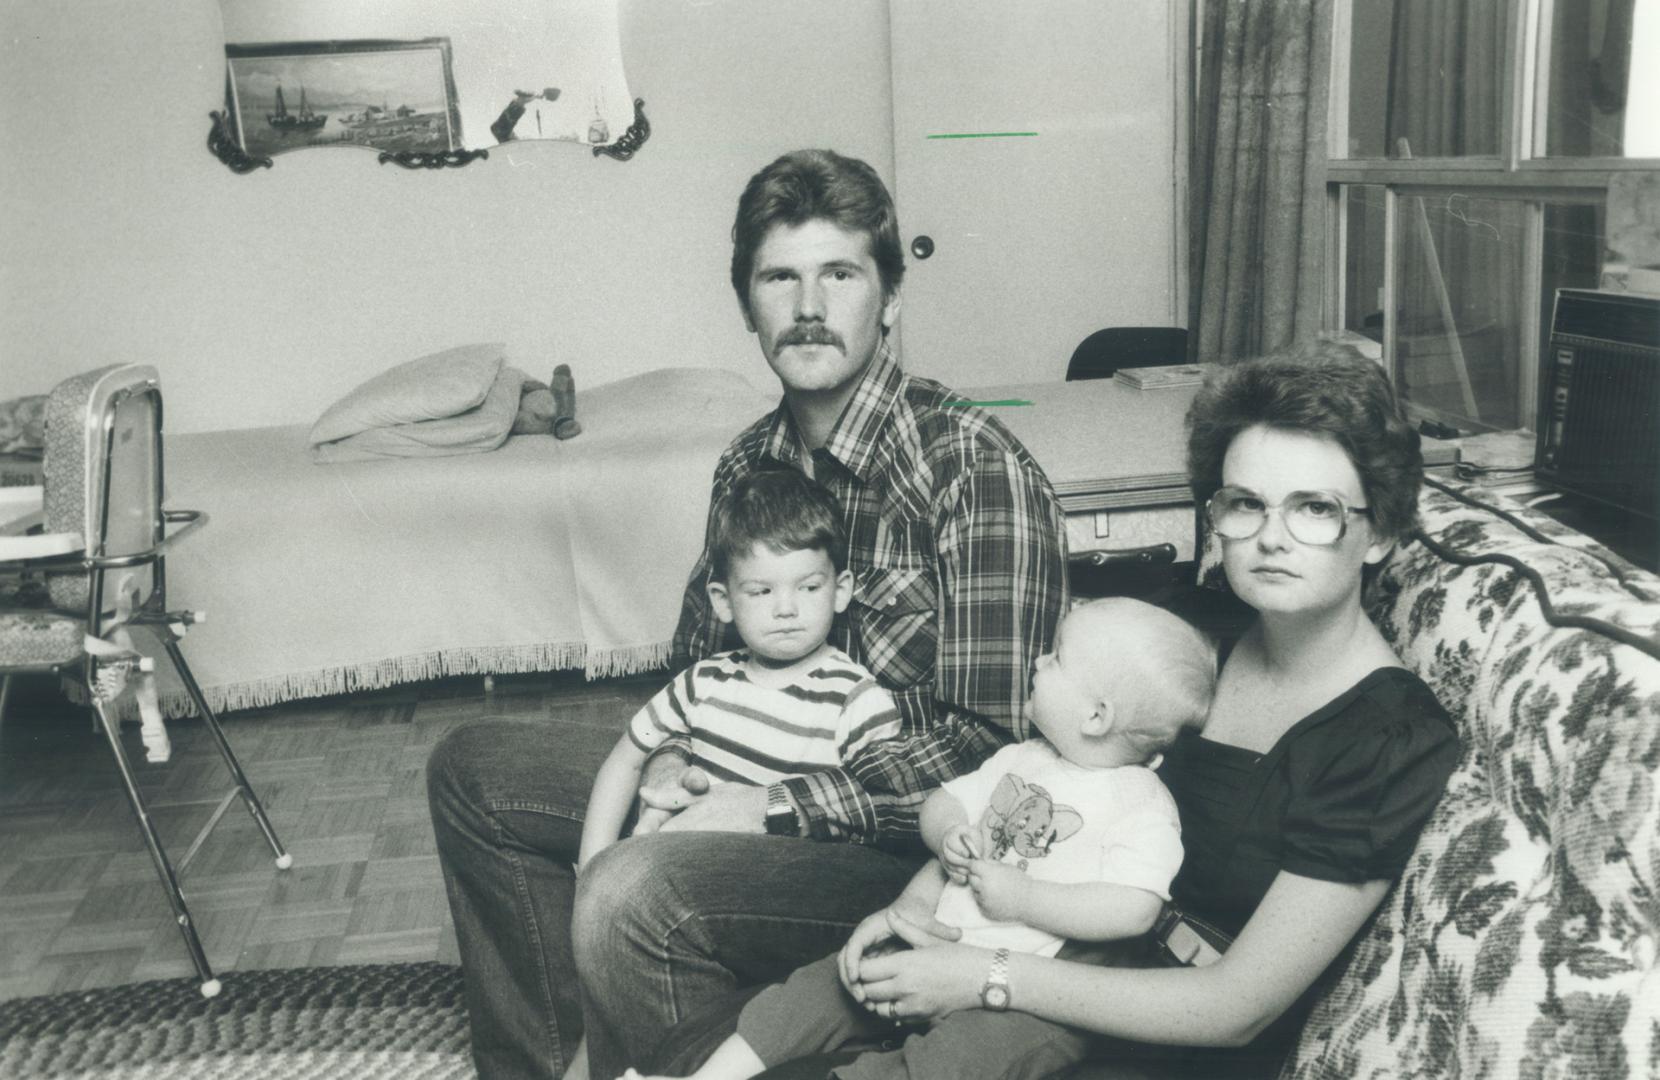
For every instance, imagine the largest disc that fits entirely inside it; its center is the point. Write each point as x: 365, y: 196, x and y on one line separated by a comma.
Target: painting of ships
x: 303, y: 120
x: 333, y: 82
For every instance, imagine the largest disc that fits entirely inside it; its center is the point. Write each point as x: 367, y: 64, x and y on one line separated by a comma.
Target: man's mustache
x: 811, y: 333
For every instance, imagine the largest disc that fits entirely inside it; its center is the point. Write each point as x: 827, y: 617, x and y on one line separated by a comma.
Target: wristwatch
x: 995, y: 994
x: 781, y: 819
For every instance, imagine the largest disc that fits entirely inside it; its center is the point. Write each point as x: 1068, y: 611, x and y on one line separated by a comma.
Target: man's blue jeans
x: 657, y: 926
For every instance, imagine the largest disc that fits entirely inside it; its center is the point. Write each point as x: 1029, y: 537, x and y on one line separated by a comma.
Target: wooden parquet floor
x: 343, y: 780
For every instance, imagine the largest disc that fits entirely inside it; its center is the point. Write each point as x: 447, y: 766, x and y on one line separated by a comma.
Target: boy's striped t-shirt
x: 742, y: 731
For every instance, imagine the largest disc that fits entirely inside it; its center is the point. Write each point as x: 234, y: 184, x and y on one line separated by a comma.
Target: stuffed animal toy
x: 549, y: 410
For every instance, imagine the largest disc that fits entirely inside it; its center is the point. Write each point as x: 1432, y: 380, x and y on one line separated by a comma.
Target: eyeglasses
x: 1316, y: 518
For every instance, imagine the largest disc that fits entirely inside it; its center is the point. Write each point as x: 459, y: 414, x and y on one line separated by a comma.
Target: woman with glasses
x: 1302, y: 797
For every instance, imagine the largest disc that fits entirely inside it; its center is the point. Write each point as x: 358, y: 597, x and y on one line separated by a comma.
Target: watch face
x: 995, y: 997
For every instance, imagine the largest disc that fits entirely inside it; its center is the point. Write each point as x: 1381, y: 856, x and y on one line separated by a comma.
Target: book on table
x: 1162, y: 377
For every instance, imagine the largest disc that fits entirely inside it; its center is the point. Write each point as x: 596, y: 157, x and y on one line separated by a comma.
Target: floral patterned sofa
x: 1521, y: 940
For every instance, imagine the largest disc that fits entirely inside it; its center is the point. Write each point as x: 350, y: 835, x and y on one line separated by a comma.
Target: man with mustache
x: 955, y: 546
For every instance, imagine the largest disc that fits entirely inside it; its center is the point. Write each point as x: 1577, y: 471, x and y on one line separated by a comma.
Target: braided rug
x: 363, y: 1021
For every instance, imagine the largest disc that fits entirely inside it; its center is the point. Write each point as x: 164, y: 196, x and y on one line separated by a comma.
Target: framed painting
x: 392, y: 96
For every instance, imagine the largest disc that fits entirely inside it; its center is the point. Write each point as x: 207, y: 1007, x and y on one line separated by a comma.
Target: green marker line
x: 982, y: 404
x: 985, y: 135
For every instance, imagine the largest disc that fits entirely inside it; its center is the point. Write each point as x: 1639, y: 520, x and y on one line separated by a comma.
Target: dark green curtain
x: 1258, y: 185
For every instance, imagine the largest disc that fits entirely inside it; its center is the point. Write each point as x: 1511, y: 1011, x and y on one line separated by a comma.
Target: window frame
x: 1513, y: 174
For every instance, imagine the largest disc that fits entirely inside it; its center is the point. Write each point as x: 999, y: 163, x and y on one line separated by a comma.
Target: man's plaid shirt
x: 956, y: 546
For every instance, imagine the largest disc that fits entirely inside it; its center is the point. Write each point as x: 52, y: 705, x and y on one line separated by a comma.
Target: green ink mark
x: 985, y: 135
x: 982, y: 404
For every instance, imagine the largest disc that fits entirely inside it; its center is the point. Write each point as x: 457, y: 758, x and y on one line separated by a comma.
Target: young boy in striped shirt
x: 788, y: 702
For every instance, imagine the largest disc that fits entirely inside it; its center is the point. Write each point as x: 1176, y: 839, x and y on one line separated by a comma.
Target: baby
x: 1069, y: 835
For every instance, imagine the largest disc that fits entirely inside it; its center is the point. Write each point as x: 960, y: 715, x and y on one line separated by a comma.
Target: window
x: 1473, y: 143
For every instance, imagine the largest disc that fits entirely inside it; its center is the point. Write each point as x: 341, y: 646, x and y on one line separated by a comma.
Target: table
x: 1115, y: 454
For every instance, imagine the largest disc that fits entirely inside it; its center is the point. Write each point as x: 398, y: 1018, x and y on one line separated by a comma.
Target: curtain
x: 1590, y: 76
x: 1446, y: 78
x: 1461, y: 265
x: 1258, y: 191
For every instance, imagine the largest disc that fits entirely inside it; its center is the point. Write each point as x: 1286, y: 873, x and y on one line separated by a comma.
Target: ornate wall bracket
x: 632, y: 139
x: 416, y: 159
x: 223, y: 145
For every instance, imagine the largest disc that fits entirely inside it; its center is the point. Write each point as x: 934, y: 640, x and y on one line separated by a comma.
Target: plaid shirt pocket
x: 894, y: 614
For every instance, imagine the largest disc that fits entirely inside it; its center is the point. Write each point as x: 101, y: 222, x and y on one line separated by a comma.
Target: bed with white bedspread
x: 540, y: 555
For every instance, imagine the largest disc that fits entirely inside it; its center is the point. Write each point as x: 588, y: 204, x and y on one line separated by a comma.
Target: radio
x: 1601, y: 435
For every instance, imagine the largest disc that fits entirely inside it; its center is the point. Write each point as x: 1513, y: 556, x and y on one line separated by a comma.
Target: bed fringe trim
x: 418, y: 667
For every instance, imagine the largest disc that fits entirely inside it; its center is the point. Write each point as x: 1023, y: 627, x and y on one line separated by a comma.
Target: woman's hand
x: 873, y: 933
x: 958, y: 850
x: 892, y: 928
x: 924, y: 984
x: 1001, y: 889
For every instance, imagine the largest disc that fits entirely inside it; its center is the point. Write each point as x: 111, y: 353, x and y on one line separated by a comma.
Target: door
x: 1038, y: 148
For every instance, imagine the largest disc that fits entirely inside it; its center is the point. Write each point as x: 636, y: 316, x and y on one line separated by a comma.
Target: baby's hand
x: 999, y: 888
x: 958, y: 850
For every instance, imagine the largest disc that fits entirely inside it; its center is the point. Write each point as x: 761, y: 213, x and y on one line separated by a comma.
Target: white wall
x: 262, y: 297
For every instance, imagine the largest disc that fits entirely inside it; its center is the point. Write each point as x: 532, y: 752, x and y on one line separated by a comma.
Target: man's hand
x: 1000, y: 888
x: 737, y: 808
x: 649, y: 819
x: 958, y: 850
x: 667, y: 787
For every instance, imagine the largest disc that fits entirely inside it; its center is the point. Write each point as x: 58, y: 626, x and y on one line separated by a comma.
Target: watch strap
x: 781, y: 817
x: 995, y: 994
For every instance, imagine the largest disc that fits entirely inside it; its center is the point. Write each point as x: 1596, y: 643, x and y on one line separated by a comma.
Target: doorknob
x: 922, y: 246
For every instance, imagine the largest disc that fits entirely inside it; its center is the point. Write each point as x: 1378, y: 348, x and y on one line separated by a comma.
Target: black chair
x: 1105, y: 351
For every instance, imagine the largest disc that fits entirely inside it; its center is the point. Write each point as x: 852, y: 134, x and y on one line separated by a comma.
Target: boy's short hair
x: 1172, y: 663
x: 780, y: 509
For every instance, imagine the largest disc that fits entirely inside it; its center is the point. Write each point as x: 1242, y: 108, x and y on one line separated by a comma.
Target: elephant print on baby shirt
x: 1023, y: 818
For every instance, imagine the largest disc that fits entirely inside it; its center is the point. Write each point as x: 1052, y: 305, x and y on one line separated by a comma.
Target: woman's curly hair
x: 1325, y: 388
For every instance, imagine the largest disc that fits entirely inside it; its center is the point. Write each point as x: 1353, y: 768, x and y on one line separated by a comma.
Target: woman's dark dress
x: 1340, y: 797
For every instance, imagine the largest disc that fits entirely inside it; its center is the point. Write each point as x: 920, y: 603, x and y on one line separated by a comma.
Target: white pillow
x: 427, y: 388
x: 482, y: 428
